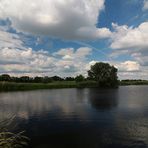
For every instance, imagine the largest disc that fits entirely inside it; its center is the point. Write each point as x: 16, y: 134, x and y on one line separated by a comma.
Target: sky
x: 66, y: 37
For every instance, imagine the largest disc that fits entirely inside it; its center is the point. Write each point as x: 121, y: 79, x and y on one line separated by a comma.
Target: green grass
x: 134, y: 82
x: 12, y: 86
x: 87, y: 84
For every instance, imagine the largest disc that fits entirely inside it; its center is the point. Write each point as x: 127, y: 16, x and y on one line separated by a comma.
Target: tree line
x: 37, y: 79
x: 104, y: 74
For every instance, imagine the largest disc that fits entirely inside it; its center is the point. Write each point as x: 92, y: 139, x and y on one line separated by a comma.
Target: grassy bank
x: 12, y: 86
x: 134, y: 82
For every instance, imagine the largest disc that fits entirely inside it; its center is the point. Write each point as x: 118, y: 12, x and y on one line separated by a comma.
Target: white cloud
x: 68, y: 19
x: 128, y: 66
x: 131, y: 41
x: 145, y: 6
x: 66, y: 57
x: 9, y: 39
x: 28, y: 62
x: 70, y: 53
x: 73, y: 61
x: 24, y: 61
x: 16, y: 59
x: 128, y: 37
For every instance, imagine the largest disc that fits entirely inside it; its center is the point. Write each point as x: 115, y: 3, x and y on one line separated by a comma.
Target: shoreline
x: 14, y: 86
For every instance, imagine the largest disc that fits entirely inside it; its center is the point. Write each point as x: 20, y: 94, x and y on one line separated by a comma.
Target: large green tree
x: 104, y: 74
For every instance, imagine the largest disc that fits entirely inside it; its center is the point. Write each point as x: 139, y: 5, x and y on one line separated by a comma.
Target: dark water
x: 80, y: 118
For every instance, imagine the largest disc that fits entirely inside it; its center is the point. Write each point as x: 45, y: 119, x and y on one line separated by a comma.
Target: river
x: 80, y: 118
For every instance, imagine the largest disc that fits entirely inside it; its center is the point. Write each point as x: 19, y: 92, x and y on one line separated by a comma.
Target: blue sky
x: 66, y: 37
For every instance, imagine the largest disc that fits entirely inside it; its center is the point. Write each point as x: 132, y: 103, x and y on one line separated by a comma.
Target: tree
x: 47, y: 79
x: 24, y: 79
x: 57, y: 78
x: 5, y: 77
x: 79, y: 78
x: 104, y: 74
x: 69, y: 79
x: 38, y: 79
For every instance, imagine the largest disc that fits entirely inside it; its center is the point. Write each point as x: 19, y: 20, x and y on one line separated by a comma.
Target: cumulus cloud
x: 128, y: 66
x: 10, y: 39
x: 68, y: 19
x: 72, y: 60
x: 17, y: 59
x: 145, y: 6
x: 131, y: 41
x: 70, y: 53
x: 30, y: 62
x: 129, y: 37
x: 24, y: 61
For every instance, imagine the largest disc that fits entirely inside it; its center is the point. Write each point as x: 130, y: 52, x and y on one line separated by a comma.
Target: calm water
x: 80, y: 118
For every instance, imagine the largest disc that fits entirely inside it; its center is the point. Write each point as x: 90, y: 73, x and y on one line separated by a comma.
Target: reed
x: 13, y: 86
x: 9, y: 139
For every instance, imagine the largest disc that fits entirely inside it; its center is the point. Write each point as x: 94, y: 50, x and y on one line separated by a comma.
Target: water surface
x: 80, y: 118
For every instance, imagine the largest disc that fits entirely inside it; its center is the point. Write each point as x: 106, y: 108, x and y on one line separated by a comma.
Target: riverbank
x: 133, y: 82
x: 13, y: 86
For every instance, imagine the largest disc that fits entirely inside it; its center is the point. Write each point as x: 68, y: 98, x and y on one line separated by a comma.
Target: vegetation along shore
x: 99, y: 75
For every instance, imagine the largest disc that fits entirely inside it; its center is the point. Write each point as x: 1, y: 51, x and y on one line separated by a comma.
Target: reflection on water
x: 89, y: 118
x: 103, y: 99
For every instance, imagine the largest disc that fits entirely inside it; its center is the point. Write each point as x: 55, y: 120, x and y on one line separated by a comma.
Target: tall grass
x: 134, y: 82
x: 9, y: 139
x: 12, y: 86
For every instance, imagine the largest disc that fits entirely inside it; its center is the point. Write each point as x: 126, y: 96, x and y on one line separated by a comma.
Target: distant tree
x: 38, y: 79
x: 104, y: 74
x: 5, y: 77
x: 47, y: 79
x: 69, y: 79
x: 0, y: 78
x: 14, y: 79
x: 57, y: 78
x: 24, y: 79
x: 79, y: 78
